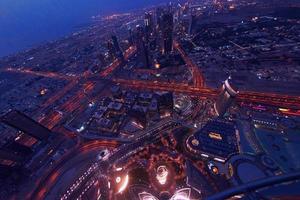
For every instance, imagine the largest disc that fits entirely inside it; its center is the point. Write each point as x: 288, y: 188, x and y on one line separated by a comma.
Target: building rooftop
x: 216, y: 138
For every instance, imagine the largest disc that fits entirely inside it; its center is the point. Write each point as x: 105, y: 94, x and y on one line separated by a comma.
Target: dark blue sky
x: 24, y: 23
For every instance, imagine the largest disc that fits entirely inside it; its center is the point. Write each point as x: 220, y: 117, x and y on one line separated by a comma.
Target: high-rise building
x: 159, y: 15
x: 152, y: 44
x: 25, y: 124
x: 225, y: 98
x: 167, y: 32
x: 192, y: 22
x: 142, y: 47
x: 117, y: 48
x: 111, y: 50
x: 145, y: 55
x: 101, y: 58
x: 130, y: 39
x: 148, y: 22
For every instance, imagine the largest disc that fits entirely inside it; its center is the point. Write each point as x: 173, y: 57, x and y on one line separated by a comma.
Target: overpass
x: 278, y: 100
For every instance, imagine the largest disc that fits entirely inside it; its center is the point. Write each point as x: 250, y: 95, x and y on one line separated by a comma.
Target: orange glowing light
x: 7, y: 162
x: 124, y: 184
x: 215, y: 170
x: 195, y: 142
x: 166, y: 114
x: 215, y: 136
x: 284, y: 110
x: 157, y: 65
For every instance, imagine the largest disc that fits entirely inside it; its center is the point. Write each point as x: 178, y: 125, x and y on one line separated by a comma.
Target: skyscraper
x: 130, y: 39
x: 117, y: 48
x: 167, y: 32
x: 148, y: 22
x: 159, y: 14
x: 225, y: 98
x: 111, y: 50
x: 142, y: 47
x: 192, y: 22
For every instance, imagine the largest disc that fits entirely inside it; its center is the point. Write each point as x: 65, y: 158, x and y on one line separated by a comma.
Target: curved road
x: 49, y: 180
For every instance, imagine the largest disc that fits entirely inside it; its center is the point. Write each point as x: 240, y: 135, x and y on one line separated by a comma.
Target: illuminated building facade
x: 225, y: 98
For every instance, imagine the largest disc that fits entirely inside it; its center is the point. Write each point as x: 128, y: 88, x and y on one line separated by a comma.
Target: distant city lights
x: 157, y: 65
x: 136, y: 112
